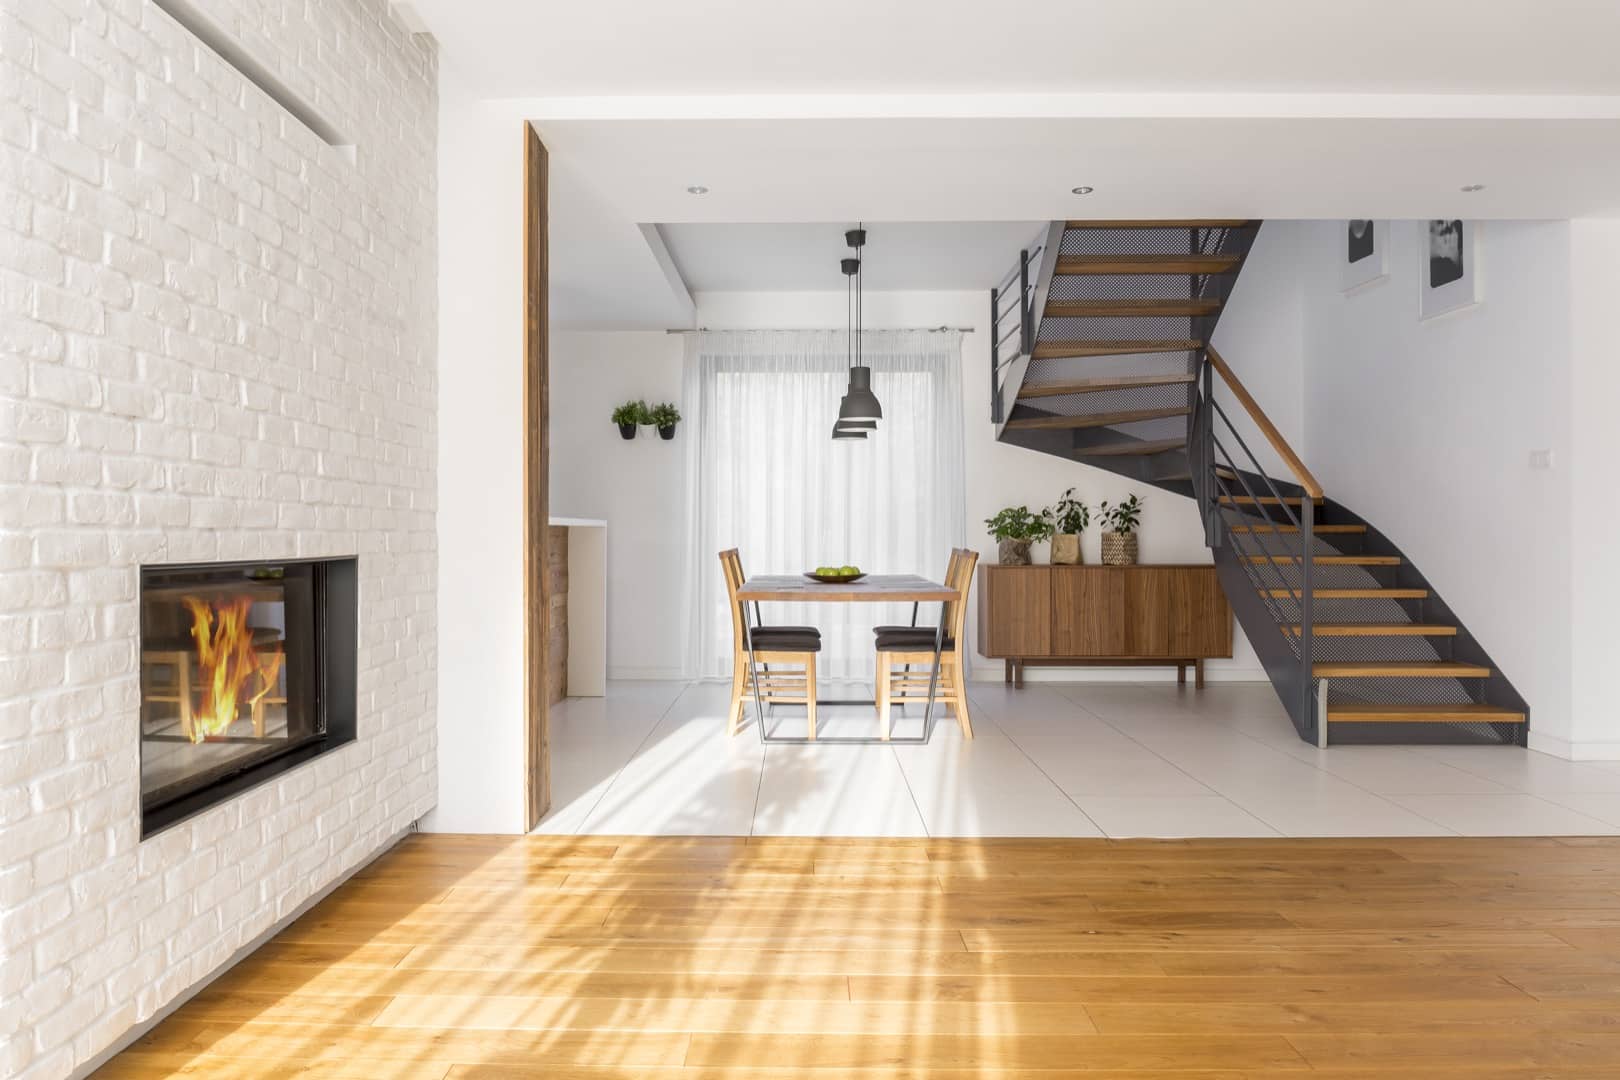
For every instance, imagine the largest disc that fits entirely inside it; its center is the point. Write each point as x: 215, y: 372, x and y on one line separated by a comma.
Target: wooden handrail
x: 1267, y: 428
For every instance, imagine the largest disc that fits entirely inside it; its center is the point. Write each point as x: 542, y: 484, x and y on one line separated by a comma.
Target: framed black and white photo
x: 1366, y: 254
x: 1450, y: 277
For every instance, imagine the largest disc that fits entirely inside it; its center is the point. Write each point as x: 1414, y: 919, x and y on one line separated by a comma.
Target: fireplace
x: 247, y: 670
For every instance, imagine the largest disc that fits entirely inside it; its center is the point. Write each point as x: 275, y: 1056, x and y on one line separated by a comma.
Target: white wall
x: 219, y: 344
x: 636, y: 486
x: 480, y: 728
x: 1425, y: 429
x: 1261, y: 336
x: 1592, y: 574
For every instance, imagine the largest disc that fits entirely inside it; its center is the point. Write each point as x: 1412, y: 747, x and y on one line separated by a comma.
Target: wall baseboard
x: 1120, y: 674
x: 1574, y: 751
x: 128, y: 1039
x: 647, y: 674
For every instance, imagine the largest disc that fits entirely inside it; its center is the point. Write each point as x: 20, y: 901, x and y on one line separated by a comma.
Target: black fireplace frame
x: 337, y: 624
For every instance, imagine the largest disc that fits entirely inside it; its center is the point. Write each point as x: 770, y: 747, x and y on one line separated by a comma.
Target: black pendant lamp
x: 853, y: 429
x: 859, y: 412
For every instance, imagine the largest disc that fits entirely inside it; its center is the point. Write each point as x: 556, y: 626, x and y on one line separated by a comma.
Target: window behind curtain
x: 768, y: 479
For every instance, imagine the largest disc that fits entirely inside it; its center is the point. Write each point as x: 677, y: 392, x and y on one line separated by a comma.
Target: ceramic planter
x: 1013, y: 552
x: 1119, y: 549
x: 627, y: 431
x: 1066, y: 550
x: 667, y: 432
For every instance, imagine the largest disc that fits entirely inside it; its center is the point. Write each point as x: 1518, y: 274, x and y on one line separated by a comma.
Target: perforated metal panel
x: 1116, y: 328
x: 1151, y: 241
x: 1065, y: 368
x: 1125, y: 287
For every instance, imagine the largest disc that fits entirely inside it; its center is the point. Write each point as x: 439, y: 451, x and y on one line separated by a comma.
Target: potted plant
x: 1119, y: 532
x: 664, y: 416
x: 1069, y: 519
x: 1015, y: 528
x: 631, y: 415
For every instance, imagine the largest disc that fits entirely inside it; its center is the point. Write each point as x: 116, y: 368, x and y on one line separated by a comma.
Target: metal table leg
x: 933, y: 676
x: 753, y: 670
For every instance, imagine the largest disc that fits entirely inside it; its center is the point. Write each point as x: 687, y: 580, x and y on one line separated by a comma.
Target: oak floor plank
x: 996, y: 1050
x: 712, y: 1016
x: 752, y: 961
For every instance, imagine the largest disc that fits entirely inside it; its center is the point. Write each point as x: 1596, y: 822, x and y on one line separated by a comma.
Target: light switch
x: 1541, y: 459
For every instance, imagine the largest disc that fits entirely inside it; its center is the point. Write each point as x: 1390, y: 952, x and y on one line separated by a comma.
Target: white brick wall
x: 217, y: 341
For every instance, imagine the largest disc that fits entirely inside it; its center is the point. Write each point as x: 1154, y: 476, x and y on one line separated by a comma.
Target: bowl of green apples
x: 835, y: 575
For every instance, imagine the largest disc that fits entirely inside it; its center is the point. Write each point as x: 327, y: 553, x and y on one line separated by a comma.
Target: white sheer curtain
x: 768, y: 479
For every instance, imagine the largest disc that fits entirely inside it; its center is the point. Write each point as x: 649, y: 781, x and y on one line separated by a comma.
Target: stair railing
x: 1016, y: 305
x: 1216, y: 473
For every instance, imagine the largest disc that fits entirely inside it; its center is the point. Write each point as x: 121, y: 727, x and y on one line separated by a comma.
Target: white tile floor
x: 1075, y: 759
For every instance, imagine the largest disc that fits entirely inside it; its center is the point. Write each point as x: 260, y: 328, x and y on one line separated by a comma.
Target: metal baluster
x: 1307, y: 530
x: 995, y: 358
x: 1026, y: 332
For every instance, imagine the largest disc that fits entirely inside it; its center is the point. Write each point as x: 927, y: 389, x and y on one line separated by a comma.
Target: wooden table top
x: 873, y: 588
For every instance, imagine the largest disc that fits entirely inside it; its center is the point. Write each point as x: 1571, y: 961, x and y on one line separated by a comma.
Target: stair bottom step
x: 1361, y: 713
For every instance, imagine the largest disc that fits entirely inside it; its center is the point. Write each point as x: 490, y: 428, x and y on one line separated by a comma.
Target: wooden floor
x: 570, y: 958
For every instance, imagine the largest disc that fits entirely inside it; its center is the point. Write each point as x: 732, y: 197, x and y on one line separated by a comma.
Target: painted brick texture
x: 217, y: 341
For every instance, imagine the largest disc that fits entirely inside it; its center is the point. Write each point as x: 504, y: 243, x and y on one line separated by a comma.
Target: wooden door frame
x: 536, y: 492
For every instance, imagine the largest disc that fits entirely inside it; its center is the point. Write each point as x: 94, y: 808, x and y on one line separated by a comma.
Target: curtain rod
x: 819, y: 329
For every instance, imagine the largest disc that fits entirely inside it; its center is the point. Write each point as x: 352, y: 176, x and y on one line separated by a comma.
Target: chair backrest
x: 959, y: 576
x: 731, y: 569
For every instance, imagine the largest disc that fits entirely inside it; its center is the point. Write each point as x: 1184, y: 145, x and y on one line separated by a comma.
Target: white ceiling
x: 944, y: 111
x: 955, y: 255
x: 624, y: 47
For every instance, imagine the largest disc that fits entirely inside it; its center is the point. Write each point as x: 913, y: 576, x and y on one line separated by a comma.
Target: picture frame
x: 1451, y: 260
x: 1365, y: 255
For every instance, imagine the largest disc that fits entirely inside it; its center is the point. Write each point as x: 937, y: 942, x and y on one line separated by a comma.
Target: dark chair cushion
x: 909, y: 639
x: 882, y: 630
x: 786, y: 639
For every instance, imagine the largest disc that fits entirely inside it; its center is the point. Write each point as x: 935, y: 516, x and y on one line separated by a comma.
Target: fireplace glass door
x: 229, y: 673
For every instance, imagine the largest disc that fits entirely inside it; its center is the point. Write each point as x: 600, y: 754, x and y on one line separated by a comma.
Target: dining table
x: 868, y: 589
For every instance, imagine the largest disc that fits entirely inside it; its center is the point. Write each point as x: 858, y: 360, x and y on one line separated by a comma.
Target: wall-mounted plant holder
x: 631, y: 415
x: 664, y: 416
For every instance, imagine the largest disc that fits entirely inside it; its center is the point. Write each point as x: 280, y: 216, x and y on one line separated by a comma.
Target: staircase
x: 1101, y: 355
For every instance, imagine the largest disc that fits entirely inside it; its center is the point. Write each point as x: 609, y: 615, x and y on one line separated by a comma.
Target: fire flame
x: 226, y: 662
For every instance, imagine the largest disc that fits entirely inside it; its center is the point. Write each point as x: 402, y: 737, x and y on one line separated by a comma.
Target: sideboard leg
x: 1198, y: 679
x: 1007, y: 671
x: 1018, y: 675
x: 1181, y: 674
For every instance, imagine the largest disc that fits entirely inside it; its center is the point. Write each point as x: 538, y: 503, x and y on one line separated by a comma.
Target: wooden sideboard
x: 1113, y: 616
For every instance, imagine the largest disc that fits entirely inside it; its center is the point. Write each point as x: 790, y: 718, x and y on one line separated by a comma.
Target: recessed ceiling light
x: 1471, y: 188
x: 697, y: 189
x: 1083, y: 189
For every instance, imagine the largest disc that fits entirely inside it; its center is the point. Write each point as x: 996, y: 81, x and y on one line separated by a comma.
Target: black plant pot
x: 627, y: 431
x: 667, y: 432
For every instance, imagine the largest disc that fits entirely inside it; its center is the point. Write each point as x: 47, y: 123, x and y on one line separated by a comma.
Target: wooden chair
x: 911, y: 650
x: 775, y: 647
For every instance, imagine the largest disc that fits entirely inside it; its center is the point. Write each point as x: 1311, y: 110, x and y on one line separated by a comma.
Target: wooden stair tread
x: 1295, y: 528
x: 1101, y: 384
x: 1396, y: 629
x: 1353, y: 594
x: 1131, y: 416
x: 1169, y: 223
x: 1064, y: 350
x: 1361, y: 712
x: 1135, y: 447
x: 1399, y: 669
x: 1329, y: 560
x: 1129, y: 309
x: 1075, y: 265
x: 1270, y: 500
